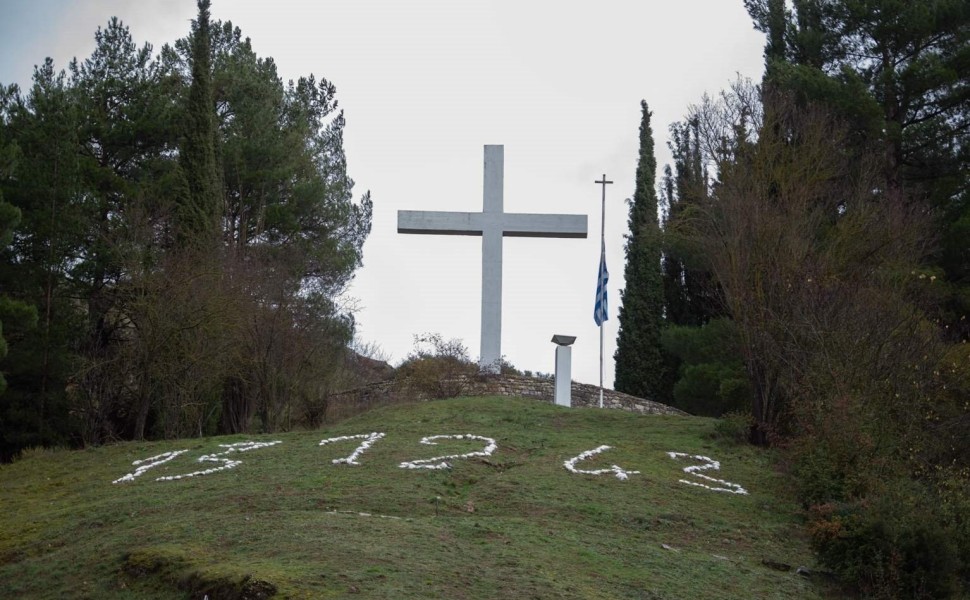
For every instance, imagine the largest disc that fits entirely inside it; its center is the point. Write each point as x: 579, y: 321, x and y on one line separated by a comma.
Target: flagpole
x: 602, y: 249
x: 603, y: 182
x: 601, y: 365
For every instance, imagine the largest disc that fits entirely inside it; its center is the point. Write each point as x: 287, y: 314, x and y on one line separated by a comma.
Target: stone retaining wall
x: 583, y: 395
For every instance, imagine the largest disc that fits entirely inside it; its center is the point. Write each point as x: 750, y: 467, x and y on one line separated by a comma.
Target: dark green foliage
x: 734, y: 427
x: 198, y: 211
x: 896, y: 71
x: 876, y: 437
x: 152, y: 319
x: 282, y: 152
x: 640, y: 366
x: 9, y: 218
x: 11, y: 311
x: 711, y: 389
x: 769, y: 17
x: 712, y: 380
x: 125, y: 135
x: 886, y: 485
x: 896, y: 549
x: 45, y: 256
x: 690, y: 294
x: 289, y: 208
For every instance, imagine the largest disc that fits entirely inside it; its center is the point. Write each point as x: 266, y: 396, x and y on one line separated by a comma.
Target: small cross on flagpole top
x: 603, y: 277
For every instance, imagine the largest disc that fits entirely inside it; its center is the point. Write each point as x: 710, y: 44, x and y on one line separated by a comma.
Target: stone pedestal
x: 564, y: 377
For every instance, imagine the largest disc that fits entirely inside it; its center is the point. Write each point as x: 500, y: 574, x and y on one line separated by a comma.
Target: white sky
x: 425, y: 84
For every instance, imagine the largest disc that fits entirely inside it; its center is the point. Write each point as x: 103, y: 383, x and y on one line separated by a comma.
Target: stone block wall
x: 583, y: 395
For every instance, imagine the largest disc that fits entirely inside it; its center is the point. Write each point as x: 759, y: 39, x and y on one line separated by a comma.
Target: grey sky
x: 425, y: 84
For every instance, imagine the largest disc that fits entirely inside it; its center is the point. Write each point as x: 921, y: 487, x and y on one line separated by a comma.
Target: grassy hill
x: 515, y: 524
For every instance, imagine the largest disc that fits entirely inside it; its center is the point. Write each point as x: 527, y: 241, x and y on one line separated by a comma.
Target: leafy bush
x: 734, y: 427
x: 712, y: 380
x: 889, y: 550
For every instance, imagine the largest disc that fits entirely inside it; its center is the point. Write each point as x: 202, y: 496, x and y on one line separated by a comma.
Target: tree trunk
x: 141, y: 416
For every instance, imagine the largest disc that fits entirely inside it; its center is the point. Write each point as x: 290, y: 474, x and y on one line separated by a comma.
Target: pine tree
x: 9, y: 217
x: 640, y: 367
x: 40, y: 266
x: 148, y: 326
x: 198, y: 212
x: 896, y: 73
x: 11, y: 310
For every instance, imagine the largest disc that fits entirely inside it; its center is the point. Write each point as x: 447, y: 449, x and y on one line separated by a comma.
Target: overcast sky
x: 425, y: 84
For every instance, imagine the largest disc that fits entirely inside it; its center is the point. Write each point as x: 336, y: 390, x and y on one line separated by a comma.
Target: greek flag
x: 600, y: 311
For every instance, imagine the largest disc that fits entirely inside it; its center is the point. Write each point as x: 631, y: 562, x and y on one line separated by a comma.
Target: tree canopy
x: 640, y: 368
x: 815, y: 265
x: 187, y: 227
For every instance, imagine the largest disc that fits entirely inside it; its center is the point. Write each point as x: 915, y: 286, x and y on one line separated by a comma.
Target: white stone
x: 492, y: 224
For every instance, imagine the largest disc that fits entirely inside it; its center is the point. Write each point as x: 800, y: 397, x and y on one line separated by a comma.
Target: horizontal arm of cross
x: 439, y: 222
x: 547, y: 226
x: 511, y: 224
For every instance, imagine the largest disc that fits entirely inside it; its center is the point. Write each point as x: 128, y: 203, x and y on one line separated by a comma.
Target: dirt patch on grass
x: 174, y: 567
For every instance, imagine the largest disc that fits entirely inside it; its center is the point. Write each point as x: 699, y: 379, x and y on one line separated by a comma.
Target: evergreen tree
x: 690, y: 295
x: 126, y: 136
x: 199, y: 210
x: 21, y: 315
x: 149, y: 325
x: 122, y: 138
x: 42, y: 262
x: 288, y: 210
x: 640, y: 368
x: 18, y: 315
x: 896, y: 72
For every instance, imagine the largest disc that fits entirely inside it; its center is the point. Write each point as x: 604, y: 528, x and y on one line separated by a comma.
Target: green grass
x: 513, y: 525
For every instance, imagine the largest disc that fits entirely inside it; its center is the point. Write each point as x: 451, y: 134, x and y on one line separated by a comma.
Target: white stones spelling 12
x: 434, y: 463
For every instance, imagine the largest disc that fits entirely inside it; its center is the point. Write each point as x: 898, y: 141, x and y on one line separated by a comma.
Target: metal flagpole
x: 603, y: 182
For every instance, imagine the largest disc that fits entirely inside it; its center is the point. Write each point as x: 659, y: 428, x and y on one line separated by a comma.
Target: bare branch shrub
x: 436, y: 367
x: 811, y: 254
x: 820, y: 267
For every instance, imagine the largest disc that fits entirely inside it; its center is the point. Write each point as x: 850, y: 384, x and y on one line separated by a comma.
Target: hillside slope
x: 283, y: 519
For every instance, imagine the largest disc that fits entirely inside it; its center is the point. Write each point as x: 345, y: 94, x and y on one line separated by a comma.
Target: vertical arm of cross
x: 493, y: 194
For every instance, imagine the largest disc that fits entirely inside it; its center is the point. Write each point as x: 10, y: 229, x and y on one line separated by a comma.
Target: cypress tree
x: 690, y: 295
x: 639, y: 363
x: 198, y: 211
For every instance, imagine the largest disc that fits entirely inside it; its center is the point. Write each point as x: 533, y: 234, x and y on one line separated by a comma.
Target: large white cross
x: 492, y: 224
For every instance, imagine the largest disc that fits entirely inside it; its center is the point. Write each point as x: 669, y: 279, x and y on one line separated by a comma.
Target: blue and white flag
x: 600, y: 311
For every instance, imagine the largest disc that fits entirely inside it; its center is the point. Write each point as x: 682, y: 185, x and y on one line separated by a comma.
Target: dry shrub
x: 820, y: 268
x: 436, y: 368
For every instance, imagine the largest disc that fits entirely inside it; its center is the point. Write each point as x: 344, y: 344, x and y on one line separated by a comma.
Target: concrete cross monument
x: 492, y: 224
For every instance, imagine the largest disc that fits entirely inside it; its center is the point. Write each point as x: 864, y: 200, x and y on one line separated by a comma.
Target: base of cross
x: 490, y: 368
